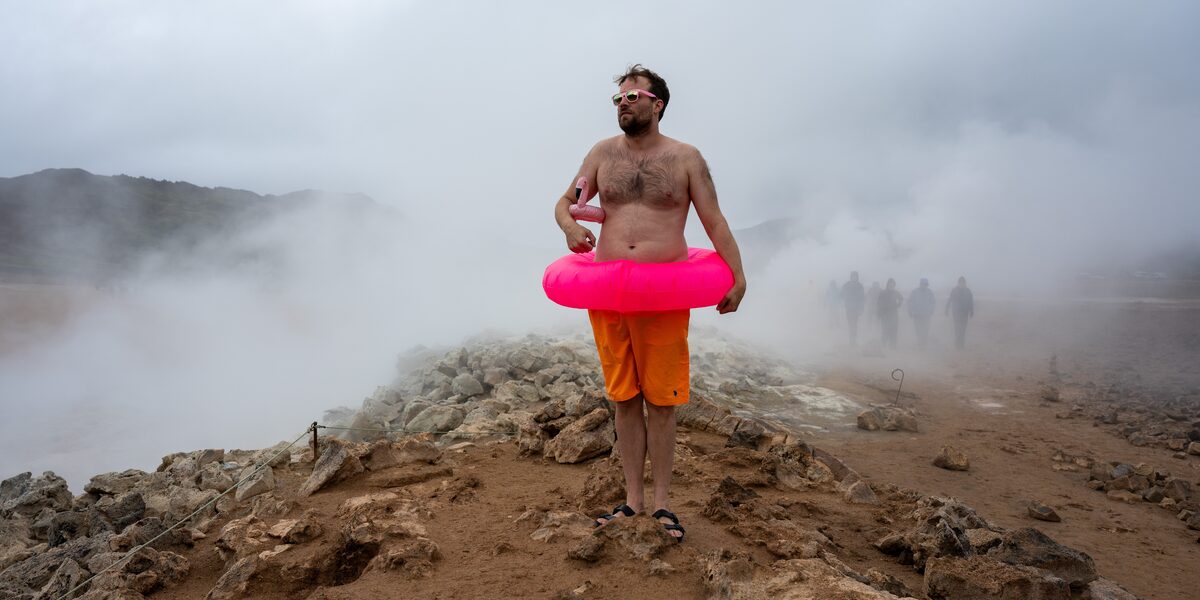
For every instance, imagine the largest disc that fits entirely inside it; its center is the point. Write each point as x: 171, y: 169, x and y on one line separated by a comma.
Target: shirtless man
x: 647, y: 182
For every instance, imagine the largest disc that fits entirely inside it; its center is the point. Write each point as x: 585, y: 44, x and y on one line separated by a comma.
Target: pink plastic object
x: 577, y: 281
x: 580, y: 211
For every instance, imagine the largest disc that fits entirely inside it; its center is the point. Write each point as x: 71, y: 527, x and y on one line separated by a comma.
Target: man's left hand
x: 732, y: 298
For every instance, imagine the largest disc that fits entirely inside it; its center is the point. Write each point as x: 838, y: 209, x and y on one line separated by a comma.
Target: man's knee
x: 659, y: 413
x: 630, y: 406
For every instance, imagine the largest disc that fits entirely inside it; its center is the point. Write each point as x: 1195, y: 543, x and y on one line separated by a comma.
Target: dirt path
x: 1010, y: 436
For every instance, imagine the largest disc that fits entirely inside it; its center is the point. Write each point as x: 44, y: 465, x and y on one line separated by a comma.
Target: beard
x: 634, y: 125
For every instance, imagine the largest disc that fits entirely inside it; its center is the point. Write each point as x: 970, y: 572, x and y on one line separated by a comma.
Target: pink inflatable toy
x: 580, y: 211
x: 577, y: 281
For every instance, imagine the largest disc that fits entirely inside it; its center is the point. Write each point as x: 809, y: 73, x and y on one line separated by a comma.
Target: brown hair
x: 658, y: 85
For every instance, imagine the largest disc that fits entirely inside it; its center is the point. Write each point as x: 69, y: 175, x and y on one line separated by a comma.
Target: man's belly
x: 656, y: 251
x: 642, y: 236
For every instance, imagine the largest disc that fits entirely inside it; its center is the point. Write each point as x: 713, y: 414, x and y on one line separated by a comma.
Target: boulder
x: 585, y: 438
x: 436, y: 419
x: 297, y: 531
x: 260, y: 483
x: 859, y: 492
x: 951, y: 459
x: 980, y: 578
x: 28, y: 496
x: 337, y: 463
x: 887, y: 418
x: 1032, y: 548
x: 113, y: 484
x: 466, y: 385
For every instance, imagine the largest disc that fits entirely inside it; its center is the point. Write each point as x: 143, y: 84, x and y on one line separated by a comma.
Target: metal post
x: 313, y: 427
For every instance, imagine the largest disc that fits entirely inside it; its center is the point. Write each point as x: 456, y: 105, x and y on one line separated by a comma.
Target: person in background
x: 854, y: 300
x: 889, y: 313
x: 962, y: 304
x: 873, y: 304
x: 921, y: 306
x: 833, y: 303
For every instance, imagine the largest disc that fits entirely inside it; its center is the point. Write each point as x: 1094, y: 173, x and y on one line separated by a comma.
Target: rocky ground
x: 506, y: 451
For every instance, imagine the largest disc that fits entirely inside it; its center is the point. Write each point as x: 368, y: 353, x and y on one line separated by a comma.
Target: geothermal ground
x: 1086, y: 411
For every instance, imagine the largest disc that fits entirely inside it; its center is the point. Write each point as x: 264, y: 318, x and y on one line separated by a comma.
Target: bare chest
x: 654, y: 181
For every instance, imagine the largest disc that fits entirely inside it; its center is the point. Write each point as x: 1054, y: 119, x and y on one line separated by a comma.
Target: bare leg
x: 660, y: 441
x: 631, y: 439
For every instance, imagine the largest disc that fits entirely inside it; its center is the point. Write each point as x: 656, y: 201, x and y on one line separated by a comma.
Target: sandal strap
x: 662, y: 512
x: 624, y: 509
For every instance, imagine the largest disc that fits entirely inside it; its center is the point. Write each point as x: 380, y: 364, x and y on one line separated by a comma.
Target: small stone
x: 860, y: 492
x: 1154, y: 494
x: 1125, y: 496
x: 951, y: 460
x: 589, y: 549
x: 1095, y: 484
x: 1194, y: 448
x: 659, y: 567
x: 1042, y: 512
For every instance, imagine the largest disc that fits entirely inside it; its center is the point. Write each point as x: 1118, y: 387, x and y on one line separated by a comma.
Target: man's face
x: 636, y: 118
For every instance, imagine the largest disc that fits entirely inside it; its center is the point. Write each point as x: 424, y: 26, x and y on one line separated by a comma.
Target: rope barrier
x: 138, y: 548
x: 413, y: 431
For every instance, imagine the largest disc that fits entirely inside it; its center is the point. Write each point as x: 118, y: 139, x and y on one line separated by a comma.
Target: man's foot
x: 622, y: 510
x: 670, y: 523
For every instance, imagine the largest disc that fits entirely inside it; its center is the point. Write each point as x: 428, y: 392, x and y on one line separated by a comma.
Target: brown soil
x: 987, y: 403
x: 486, y: 550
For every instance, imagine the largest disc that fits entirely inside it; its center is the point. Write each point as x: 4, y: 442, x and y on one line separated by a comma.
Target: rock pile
x: 1146, y: 416
x: 964, y: 556
x: 537, y: 388
x: 53, y: 541
x: 1143, y: 483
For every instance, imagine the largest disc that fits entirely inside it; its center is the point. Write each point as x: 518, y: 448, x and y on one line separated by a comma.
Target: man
x: 962, y: 302
x: 833, y: 302
x: 647, y: 182
x: 855, y: 300
x: 873, y: 305
x: 921, y: 305
x: 889, y: 313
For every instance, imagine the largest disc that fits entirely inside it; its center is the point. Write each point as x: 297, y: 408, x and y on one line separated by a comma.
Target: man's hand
x: 580, y: 239
x: 732, y: 298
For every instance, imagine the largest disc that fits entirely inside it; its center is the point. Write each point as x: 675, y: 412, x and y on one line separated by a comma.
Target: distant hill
x: 71, y: 225
x: 760, y: 243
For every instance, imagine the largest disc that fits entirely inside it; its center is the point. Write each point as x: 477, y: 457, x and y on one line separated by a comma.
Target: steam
x: 1016, y: 144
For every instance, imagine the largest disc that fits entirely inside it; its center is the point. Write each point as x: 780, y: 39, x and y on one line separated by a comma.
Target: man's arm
x: 704, y: 198
x: 579, y: 238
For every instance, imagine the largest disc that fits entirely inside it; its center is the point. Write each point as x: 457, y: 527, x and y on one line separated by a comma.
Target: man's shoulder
x: 681, y: 148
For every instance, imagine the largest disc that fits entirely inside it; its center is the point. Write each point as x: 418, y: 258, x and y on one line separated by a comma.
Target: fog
x: 1017, y: 144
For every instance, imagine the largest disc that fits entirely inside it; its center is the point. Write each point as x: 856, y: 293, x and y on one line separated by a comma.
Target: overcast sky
x: 1011, y: 141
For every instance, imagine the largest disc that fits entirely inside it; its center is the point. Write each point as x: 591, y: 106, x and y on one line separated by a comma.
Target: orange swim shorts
x: 644, y: 353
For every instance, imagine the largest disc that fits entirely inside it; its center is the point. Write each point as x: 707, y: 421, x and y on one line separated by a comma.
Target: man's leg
x: 660, y: 441
x: 631, y: 440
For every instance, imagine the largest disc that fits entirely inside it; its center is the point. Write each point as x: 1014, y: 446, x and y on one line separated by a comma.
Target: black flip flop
x: 673, y: 526
x: 623, y: 509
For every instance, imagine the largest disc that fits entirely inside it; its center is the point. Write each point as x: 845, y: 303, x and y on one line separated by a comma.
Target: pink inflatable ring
x: 577, y: 281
